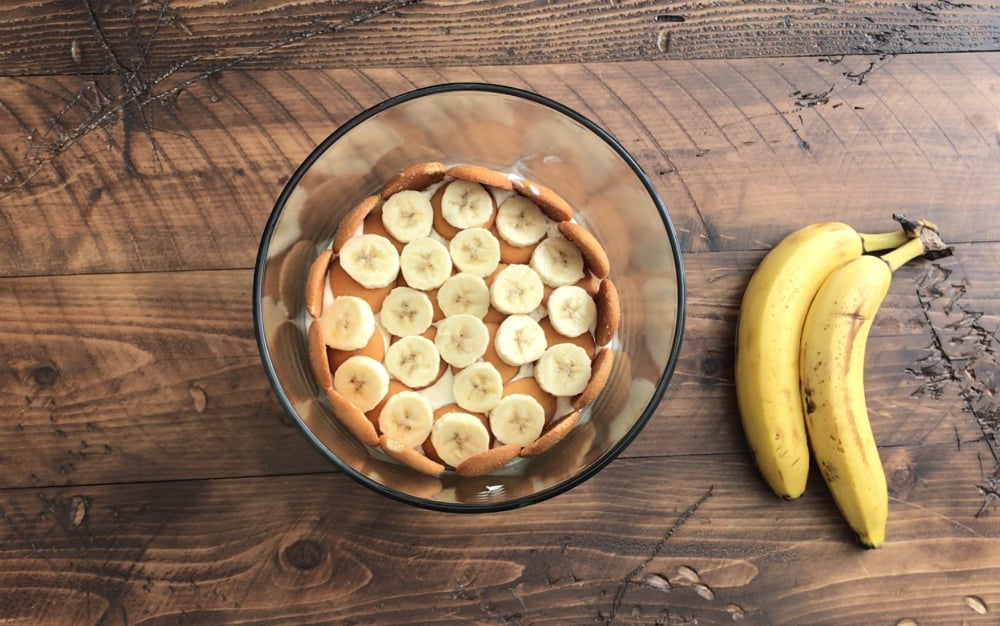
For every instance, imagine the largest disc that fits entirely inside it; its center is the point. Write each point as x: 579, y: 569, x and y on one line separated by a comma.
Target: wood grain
x: 134, y: 377
x: 318, y: 549
x: 158, y: 376
x: 149, y: 476
x: 141, y: 40
x: 206, y: 163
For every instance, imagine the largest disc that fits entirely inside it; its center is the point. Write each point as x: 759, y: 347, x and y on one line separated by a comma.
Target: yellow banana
x: 832, y: 359
x: 768, y: 338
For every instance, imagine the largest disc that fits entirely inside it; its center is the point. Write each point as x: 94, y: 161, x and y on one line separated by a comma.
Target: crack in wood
x: 134, y: 99
x: 976, y: 369
x: 629, y: 580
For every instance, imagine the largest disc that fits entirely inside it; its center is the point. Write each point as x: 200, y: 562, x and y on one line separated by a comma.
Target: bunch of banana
x: 803, y: 326
x: 768, y: 337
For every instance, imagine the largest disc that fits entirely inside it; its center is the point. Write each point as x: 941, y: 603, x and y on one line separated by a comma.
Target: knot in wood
x: 710, y: 365
x: 304, y: 554
x: 902, y: 480
x: 45, y: 374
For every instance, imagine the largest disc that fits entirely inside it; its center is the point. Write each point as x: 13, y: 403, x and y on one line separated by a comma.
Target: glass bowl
x: 511, y: 131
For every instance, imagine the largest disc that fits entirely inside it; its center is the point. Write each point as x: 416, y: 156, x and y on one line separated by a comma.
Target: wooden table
x: 150, y: 477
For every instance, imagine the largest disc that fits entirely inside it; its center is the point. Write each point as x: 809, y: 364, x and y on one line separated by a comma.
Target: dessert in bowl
x: 469, y: 297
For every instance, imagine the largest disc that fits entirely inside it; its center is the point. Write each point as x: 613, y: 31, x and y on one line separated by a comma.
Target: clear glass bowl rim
x: 457, y: 507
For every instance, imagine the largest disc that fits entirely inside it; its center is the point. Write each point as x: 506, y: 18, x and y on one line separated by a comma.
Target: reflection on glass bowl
x: 516, y: 132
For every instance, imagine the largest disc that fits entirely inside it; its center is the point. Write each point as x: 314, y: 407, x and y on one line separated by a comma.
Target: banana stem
x: 923, y: 239
x: 872, y: 242
x: 904, y: 253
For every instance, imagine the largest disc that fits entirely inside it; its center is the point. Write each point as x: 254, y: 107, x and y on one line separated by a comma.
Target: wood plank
x: 134, y: 377
x: 157, y: 377
x: 139, y: 41
x: 735, y: 148
x: 320, y: 549
x: 929, y: 367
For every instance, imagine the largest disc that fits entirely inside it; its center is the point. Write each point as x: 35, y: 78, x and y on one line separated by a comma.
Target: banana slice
x: 341, y: 284
x: 408, y: 215
x: 371, y: 260
x: 571, y: 310
x: 476, y: 251
x: 558, y: 262
x: 375, y: 348
x: 563, y: 370
x: 461, y: 339
x: 478, y: 387
x: 520, y: 222
x: 457, y: 436
x: 519, y: 340
x: 517, y: 418
x: 516, y: 289
x: 363, y: 381
x: 407, y: 417
x: 406, y: 312
x: 529, y: 386
x: 464, y: 294
x: 413, y: 360
x: 394, y: 387
x: 512, y: 254
x: 348, y: 323
x: 425, y: 263
x: 466, y: 204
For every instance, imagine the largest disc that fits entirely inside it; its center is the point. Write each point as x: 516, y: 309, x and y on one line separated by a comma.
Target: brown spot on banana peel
x: 829, y: 472
x: 808, y: 403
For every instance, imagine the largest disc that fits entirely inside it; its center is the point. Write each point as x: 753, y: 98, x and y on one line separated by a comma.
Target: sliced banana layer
x: 478, y: 387
x: 407, y: 215
x: 518, y: 419
x: 444, y: 260
x: 520, y: 222
x: 516, y: 289
x: 363, y: 381
x: 457, y: 436
x: 558, y: 262
x: 406, y: 312
x: 519, y: 340
x: 571, y: 310
x: 461, y: 339
x: 347, y: 323
x: 476, y: 251
x: 563, y: 370
x: 407, y: 417
x: 466, y: 204
x: 413, y: 360
x: 464, y: 294
x: 425, y: 263
x: 371, y: 260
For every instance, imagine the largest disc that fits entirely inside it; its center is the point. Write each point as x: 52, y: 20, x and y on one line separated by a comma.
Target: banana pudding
x: 460, y: 319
